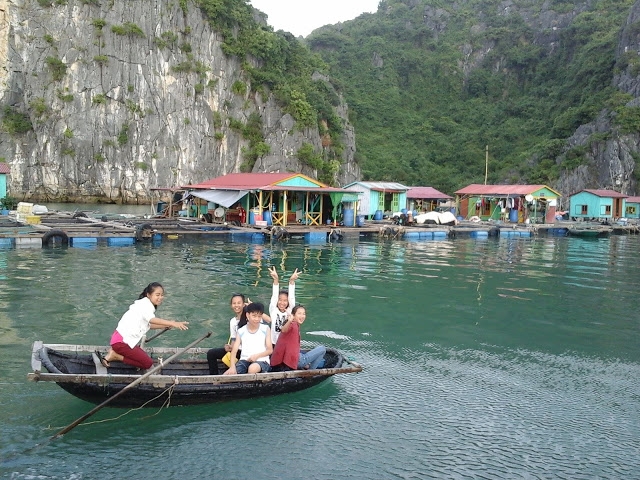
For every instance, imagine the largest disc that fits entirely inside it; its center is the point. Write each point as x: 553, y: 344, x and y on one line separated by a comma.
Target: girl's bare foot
x: 111, y: 356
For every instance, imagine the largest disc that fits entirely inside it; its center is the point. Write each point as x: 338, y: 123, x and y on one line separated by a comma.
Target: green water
x: 483, y: 359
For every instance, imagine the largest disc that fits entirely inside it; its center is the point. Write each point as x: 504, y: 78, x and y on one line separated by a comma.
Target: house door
x: 617, y: 207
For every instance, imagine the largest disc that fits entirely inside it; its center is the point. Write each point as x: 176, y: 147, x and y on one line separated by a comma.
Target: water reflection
x: 482, y: 358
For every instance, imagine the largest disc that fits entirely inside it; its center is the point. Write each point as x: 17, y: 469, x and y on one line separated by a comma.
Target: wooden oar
x: 132, y: 384
x: 165, y: 329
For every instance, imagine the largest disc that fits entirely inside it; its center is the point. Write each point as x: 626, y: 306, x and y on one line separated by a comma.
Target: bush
x: 99, y: 99
x: 99, y: 23
x: 38, y: 106
x: 9, y: 203
x: 128, y: 28
x: 65, y: 97
x: 239, y: 88
x: 101, y: 59
x: 57, y: 68
x: 15, y: 122
x: 123, y: 135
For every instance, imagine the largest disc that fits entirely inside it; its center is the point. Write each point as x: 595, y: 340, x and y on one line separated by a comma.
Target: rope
x: 166, y: 403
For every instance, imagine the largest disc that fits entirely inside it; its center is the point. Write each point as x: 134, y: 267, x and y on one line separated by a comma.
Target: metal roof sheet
x: 633, y: 199
x: 381, y: 186
x: 5, y: 168
x: 244, y: 181
x: 500, y: 190
x: 425, y: 192
x: 605, y: 193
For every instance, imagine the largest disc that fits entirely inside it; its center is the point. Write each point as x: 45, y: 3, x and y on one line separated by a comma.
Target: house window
x: 631, y: 210
x: 581, y: 210
x: 605, y: 210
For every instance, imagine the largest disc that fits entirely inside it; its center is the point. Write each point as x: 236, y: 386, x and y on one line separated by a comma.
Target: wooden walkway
x: 79, y: 229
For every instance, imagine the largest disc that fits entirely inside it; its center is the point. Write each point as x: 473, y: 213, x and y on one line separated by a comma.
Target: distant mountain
x: 550, y: 86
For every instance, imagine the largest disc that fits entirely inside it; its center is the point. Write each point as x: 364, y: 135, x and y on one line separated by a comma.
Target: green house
x: 513, y: 203
x: 632, y: 207
x: 284, y: 198
x: 597, y: 204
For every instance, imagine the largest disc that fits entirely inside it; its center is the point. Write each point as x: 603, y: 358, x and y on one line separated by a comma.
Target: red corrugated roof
x: 500, y: 190
x: 633, y: 199
x: 5, y: 168
x: 605, y: 193
x: 425, y: 192
x: 243, y: 181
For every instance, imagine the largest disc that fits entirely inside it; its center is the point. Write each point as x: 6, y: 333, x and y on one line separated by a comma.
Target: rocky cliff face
x: 125, y: 96
x: 612, y: 155
x: 609, y: 155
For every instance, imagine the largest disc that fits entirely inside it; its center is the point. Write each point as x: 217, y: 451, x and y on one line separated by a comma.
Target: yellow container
x: 33, y: 219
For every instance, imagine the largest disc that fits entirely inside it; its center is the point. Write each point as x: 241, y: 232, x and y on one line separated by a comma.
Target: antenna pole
x: 486, y: 164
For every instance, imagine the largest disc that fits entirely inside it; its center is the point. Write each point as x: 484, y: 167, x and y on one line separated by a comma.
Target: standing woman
x: 134, y: 324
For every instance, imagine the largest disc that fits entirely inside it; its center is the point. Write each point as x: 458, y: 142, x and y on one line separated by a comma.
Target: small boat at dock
x: 589, y: 230
x: 185, y: 381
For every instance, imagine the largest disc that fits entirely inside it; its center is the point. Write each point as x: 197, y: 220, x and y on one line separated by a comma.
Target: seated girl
x: 287, y: 354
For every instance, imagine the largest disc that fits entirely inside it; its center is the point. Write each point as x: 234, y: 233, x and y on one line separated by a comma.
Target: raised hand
x: 274, y: 274
x: 294, y: 276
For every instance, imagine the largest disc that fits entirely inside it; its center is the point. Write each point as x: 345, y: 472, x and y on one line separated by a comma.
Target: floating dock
x: 81, y: 230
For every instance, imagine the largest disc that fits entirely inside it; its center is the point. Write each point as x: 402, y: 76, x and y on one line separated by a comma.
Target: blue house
x: 5, y: 170
x: 632, y: 209
x: 597, y: 204
x: 381, y: 197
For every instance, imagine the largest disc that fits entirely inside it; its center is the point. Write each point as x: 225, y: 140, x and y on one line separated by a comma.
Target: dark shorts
x: 242, y: 366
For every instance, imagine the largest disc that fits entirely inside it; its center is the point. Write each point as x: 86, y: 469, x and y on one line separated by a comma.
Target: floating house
x: 274, y: 198
x: 513, y: 203
x: 425, y: 199
x: 632, y: 209
x: 5, y: 170
x: 379, y: 198
x: 597, y: 204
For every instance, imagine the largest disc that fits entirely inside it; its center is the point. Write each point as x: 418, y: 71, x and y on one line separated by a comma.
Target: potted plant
x: 8, y: 203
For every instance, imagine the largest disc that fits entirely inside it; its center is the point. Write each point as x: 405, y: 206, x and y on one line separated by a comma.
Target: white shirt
x: 233, y: 328
x: 277, y: 317
x: 253, y: 343
x: 135, y: 322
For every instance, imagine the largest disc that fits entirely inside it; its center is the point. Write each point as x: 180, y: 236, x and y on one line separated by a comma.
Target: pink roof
x: 5, y: 168
x: 633, y: 199
x: 606, y: 193
x: 500, y: 190
x: 425, y: 192
x: 243, y: 181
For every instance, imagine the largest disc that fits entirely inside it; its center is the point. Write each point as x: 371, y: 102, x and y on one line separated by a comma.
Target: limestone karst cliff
x: 108, y: 99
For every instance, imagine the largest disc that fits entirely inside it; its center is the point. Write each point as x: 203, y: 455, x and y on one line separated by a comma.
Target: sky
x: 301, y: 17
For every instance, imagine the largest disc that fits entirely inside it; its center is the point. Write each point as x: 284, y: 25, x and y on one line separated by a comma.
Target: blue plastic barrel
x: 360, y: 220
x: 378, y: 215
x: 252, y: 217
x: 266, y: 216
x: 513, y: 215
x: 347, y: 217
x: 403, y: 211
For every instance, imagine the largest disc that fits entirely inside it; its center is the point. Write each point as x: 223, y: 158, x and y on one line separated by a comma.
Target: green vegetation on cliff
x: 430, y: 83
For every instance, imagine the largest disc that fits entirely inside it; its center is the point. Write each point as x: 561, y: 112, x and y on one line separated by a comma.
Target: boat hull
x: 182, y: 382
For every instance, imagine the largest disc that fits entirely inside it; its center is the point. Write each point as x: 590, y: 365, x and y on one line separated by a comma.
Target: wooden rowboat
x: 185, y: 381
